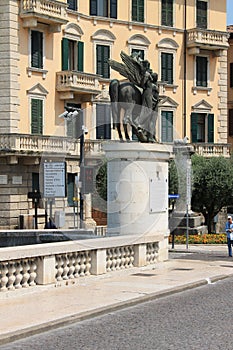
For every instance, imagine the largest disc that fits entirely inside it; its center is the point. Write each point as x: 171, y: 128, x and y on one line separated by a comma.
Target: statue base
x: 138, y: 188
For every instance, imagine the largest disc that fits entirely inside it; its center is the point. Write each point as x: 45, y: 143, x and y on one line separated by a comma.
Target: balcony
x: 35, y: 145
x: 203, y: 39
x: 70, y: 83
x: 50, y: 12
x: 212, y: 150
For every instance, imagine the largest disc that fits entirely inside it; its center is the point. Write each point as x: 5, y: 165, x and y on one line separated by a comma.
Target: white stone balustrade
x: 51, y: 8
x: 25, y: 266
x: 35, y: 143
x: 77, y: 81
x: 207, y: 37
x: 212, y: 150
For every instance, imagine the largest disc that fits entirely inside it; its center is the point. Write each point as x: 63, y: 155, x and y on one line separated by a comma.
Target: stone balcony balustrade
x: 70, y: 83
x: 212, y: 150
x: 51, y: 12
x: 205, y: 39
x: 38, y: 144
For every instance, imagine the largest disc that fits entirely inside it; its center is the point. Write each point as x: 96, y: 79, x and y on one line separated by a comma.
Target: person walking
x: 229, y: 229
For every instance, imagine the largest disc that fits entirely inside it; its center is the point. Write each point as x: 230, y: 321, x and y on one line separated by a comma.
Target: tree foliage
x: 212, y: 186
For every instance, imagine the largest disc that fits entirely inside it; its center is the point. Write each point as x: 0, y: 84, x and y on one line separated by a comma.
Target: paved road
x: 196, y: 319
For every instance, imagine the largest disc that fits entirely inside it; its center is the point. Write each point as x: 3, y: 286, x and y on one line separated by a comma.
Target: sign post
x: 54, y: 181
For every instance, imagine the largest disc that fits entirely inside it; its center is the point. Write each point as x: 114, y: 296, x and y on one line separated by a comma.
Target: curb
x: 65, y: 321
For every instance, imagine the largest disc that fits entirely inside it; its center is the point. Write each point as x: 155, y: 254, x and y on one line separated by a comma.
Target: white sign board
x: 158, y: 195
x: 54, y: 179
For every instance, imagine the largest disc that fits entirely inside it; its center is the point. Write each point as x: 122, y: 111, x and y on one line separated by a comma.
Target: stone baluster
x: 59, y: 268
x: 11, y: 275
x: 26, y: 274
x: 65, y: 267
x: 32, y: 272
x: 4, y: 277
x: 18, y: 274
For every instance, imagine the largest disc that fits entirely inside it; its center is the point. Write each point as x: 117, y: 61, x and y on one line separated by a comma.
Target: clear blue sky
x: 229, y: 11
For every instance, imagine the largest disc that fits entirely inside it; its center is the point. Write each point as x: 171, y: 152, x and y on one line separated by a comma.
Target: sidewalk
x: 36, y: 309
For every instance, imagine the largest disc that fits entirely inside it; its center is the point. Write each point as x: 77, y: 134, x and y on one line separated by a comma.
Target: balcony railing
x: 46, y: 11
x: 29, y: 144
x: 207, y: 39
x: 77, y: 82
x: 212, y: 150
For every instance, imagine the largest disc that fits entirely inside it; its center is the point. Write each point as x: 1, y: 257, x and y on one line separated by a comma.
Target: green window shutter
x: 201, y: 14
x: 65, y: 54
x: 210, y: 127
x: 36, y: 49
x: 167, y: 13
x: 167, y: 126
x: 167, y: 67
x: 72, y: 5
x: 103, y: 121
x: 80, y: 55
x: 93, y: 7
x: 102, y: 56
x: 201, y: 71
x: 36, y: 116
x: 194, y: 119
x: 113, y: 8
x: 138, y: 10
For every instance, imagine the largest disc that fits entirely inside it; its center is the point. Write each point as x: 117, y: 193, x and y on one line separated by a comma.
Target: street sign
x: 54, y: 179
x: 174, y: 196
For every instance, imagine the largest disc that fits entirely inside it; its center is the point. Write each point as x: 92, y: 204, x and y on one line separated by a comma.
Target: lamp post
x: 73, y: 112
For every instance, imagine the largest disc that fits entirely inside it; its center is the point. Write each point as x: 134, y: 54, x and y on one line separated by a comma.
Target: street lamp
x: 70, y: 113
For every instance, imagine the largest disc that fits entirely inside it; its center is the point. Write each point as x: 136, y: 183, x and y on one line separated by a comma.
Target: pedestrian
x: 229, y: 229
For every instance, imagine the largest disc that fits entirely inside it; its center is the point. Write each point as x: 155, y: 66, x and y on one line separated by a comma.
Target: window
x: 167, y: 126
x: 167, y: 67
x: 103, y: 121
x: 36, y: 49
x: 72, y: 55
x: 138, y: 10
x: 102, y: 57
x: 202, y: 127
x: 230, y: 122
x: 36, y: 116
x: 139, y: 52
x: 103, y: 8
x: 70, y: 189
x: 201, y: 12
x: 72, y: 5
x: 231, y: 75
x: 167, y: 13
x: 201, y: 71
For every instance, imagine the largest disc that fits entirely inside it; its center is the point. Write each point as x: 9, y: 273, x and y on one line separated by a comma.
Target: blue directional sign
x: 174, y: 196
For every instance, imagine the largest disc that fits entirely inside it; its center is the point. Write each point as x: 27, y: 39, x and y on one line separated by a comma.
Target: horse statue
x: 138, y: 98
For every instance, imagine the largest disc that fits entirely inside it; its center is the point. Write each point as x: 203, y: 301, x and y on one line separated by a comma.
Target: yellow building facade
x: 54, y: 54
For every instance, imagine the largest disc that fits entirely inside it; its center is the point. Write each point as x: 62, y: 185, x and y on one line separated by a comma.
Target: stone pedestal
x: 178, y: 222
x: 137, y: 188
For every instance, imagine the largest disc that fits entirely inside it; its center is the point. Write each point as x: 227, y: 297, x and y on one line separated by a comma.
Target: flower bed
x: 218, y: 238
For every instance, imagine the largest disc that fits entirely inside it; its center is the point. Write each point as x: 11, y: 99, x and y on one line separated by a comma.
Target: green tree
x: 212, y: 186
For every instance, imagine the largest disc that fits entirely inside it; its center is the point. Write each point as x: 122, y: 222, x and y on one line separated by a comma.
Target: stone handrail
x: 210, y: 37
x: 212, y: 150
x: 77, y: 80
x: 44, y: 7
x: 38, y: 143
x: 54, y: 262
